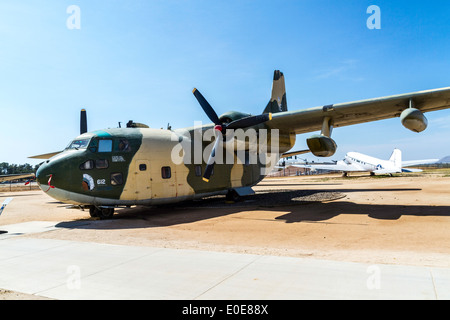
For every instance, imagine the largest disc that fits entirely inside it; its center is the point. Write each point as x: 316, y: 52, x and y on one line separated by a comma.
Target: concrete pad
x: 62, y: 269
x: 299, y: 278
x: 30, y: 227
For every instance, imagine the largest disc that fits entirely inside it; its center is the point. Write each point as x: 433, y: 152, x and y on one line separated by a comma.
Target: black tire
x: 105, y: 213
x: 93, y: 212
x: 232, y: 196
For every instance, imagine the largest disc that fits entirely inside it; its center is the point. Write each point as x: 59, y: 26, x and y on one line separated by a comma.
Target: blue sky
x: 140, y: 60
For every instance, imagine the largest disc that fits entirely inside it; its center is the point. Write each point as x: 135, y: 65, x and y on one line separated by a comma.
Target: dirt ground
x: 395, y: 220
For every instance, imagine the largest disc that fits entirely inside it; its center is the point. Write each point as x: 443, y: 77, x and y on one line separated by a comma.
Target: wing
x: 345, y: 114
x: 334, y: 167
x: 9, y: 177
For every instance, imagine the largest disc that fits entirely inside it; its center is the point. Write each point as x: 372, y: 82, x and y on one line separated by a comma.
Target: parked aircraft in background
x: 358, y: 162
x: 10, y: 177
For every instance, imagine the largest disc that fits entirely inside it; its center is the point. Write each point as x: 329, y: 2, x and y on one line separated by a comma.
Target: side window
x: 123, y: 145
x: 142, y: 167
x: 116, y: 179
x: 87, y: 165
x: 166, y: 172
x: 105, y: 145
x: 101, y: 164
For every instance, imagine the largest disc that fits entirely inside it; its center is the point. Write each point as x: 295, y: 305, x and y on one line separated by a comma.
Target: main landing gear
x: 232, y: 196
x: 102, y: 213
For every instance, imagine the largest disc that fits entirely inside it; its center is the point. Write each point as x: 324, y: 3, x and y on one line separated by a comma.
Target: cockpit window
x: 78, y: 144
x: 105, y: 145
x: 123, y: 145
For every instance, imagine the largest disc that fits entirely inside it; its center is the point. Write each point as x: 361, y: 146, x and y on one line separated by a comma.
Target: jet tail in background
x: 278, y: 102
x: 396, y: 158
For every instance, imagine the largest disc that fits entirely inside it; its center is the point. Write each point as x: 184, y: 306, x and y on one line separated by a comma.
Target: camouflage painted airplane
x: 105, y: 169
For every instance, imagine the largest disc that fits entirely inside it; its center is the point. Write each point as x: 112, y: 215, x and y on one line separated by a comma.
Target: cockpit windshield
x: 78, y: 144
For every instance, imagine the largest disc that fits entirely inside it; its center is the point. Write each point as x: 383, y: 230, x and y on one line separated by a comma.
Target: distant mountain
x: 444, y: 160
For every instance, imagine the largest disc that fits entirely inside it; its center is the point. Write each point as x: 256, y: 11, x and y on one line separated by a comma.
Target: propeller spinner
x: 221, y: 128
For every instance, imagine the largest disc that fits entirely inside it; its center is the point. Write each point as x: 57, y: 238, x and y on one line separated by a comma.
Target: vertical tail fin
x: 396, y: 158
x: 278, y: 102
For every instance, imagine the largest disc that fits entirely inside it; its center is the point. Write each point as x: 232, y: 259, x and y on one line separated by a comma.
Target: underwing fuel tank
x: 414, y: 120
x: 321, y: 146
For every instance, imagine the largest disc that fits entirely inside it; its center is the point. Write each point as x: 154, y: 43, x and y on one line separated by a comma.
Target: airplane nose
x: 43, y: 174
x: 39, y: 174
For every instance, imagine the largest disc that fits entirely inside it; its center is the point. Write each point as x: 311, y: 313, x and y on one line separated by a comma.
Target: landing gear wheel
x: 93, y: 211
x: 232, y: 196
x: 105, y: 213
x: 102, y: 213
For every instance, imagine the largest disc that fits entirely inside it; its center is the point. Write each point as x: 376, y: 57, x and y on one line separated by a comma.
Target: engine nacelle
x: 321, y: 146
x: 414, y: 120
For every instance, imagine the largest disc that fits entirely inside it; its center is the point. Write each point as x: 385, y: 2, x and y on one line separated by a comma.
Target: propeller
x: 220, y: 128
x: 83, y: 129
x: 83, y: 121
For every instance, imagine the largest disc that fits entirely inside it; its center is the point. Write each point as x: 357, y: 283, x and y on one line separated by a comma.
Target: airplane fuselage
x: 369, y: 164
x: 135, y: 166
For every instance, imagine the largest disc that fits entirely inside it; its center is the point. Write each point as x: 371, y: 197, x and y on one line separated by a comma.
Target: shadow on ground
x: 294, y: 207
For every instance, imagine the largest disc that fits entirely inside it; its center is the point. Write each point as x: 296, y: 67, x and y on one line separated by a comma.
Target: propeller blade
x: 212, y: 115
x: 83, y: 121
x: 212, y: 159
x: 46, y: 156
x: 250, y: 121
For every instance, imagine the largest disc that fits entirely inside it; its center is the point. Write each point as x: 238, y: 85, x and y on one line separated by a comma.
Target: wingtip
x: 206, y: 180
x: 195, y: 89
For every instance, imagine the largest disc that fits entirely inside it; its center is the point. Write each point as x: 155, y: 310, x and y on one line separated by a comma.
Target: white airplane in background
x: 358, y: 162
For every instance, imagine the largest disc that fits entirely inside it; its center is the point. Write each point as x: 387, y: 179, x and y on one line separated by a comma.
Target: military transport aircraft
x: 358, y: 162
x: 105, y: 169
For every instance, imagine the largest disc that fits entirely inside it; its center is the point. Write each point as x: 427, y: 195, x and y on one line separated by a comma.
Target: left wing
x: 9, y: 177
x: 345, y: 114
x: 335, y: 167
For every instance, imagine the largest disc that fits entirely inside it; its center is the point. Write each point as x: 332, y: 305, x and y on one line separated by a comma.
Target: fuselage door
x: 143, y: 180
